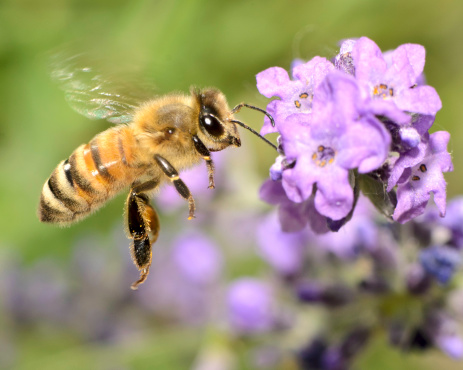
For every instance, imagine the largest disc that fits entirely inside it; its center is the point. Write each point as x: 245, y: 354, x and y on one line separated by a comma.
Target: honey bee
x: 152, y: 143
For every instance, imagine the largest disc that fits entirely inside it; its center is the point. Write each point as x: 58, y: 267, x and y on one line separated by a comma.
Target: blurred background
x: 65, y: 300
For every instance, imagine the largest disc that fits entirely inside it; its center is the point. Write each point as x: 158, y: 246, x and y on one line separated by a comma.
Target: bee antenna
x: 241, y: 105
x: 255, y: 133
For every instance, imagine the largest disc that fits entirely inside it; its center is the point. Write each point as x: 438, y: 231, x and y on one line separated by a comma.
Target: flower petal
x: 368, y: 60
x: 271, y: 81
x: 412, y: 54
x: 421, y: 99
x: 314, y: 71
x: 364, y: 145
x: 334, y: 197
x: 267, y: 128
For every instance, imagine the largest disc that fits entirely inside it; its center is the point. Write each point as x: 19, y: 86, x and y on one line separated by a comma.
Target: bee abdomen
x: 79, y: 185
x: 60, y: 201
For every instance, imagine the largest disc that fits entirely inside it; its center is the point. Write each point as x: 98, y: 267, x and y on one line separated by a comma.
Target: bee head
x: 215, y: 120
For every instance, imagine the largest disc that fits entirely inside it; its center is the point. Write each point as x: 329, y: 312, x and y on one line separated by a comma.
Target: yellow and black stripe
x: 94, y: 173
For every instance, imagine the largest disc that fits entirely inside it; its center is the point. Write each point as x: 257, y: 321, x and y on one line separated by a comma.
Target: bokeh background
x: 65, y: 300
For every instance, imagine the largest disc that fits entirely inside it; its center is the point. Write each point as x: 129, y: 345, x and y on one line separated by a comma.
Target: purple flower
x: 450, y: 344
x: 293, y: 216
x: 411, y: 147
x: 250, y: 306
x: 453, y: 221
x: 418, y: 182
x: 366, y: 111
x: 392, y: 84
x: 441, y: 262
x: 197, y: 258
x: 295, y: 95
x: 328, y: 143
x: 283, y: 251
x: 355, y: 236
x: 442, y: 328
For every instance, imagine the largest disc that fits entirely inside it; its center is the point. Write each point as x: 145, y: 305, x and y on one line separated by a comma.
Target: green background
x: 176, y: 44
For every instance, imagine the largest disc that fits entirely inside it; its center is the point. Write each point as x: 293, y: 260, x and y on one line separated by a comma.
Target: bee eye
x: 212, y: 125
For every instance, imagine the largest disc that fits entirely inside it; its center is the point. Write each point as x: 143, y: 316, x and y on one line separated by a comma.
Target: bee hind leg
x: 142, y: 222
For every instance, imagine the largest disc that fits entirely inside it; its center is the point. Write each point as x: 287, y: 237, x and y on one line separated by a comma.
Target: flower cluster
x: 358, y: 122
x: 402, y: 278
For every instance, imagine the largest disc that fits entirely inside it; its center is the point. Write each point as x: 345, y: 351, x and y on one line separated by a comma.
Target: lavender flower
x: 293, y: 216
x: 441, y: 262
x: 250, y: 306
x: 366, y: 112
x: 330, y: 142
x: 418, y: 182
x: 197, y: 258
x: 355, y: 237
x: 451, y: 344
x: 185, y: 280
x: 452, y: 221
x: 295, y: 95
x: 282, y: 250
x: 392, y: 84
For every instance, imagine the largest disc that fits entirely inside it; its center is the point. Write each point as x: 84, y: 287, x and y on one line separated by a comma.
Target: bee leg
x: 173, y: 176
x: 206, y: 154
x: 142, y: 222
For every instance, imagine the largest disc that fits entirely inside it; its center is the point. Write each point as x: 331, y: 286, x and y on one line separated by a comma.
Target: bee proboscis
x: 153, y: 143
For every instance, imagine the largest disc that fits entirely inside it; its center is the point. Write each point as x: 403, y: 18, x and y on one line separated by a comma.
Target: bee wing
x: 96, y: 95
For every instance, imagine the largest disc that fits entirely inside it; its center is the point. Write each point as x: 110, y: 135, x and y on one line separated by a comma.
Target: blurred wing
x: 96, y: 95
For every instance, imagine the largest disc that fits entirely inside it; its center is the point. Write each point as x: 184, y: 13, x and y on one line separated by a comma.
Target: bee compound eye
x: 212, y: 125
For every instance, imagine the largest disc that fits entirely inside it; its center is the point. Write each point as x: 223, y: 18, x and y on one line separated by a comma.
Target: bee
x: 152, y: 143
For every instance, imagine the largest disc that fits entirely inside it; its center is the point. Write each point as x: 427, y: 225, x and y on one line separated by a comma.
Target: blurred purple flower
x: 359, y: 234
x: 442, y: 329
x: 250, y: 306
x: 197, y: 258
x: 282, y: 250
x: 452, y: 221
x: 293, y: 216
x: 441, y: 262
x: 184, y: 280
x: 450, y: 344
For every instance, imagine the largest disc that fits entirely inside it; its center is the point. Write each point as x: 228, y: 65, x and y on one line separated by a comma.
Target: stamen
x: 323, y: 156
x: 297, y: 103
x: 416, y: 178
x: 304, y: 96
x: 423, y: 168
x: 383, y: 91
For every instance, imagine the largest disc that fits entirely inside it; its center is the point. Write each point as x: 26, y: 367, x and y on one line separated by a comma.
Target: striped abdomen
x: 93, y: 173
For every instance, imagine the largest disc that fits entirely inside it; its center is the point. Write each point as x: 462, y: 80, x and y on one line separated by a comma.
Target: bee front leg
x: 173, y: 176
x: 206, y: 154
x: 142, y: 221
